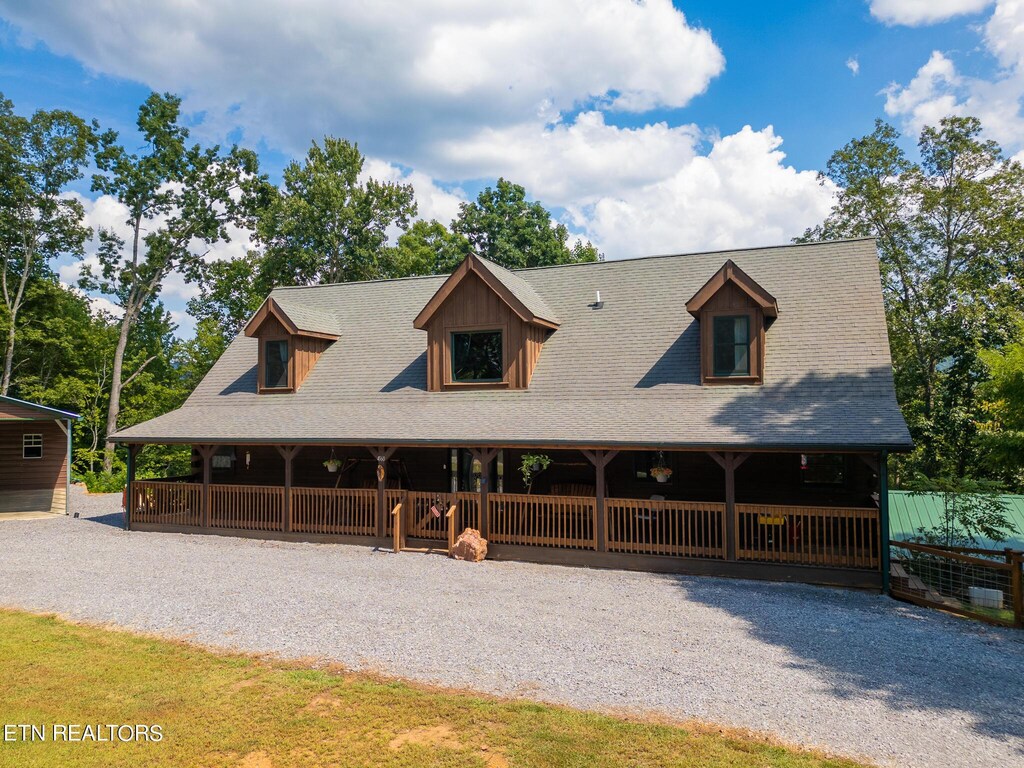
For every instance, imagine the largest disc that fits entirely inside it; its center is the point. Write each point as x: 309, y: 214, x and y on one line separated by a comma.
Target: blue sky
x: 645, y: 127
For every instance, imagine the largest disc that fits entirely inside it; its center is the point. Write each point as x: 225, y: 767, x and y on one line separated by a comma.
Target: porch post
x: 729, y: 461
x: 133, y: 451
x: 206, y: 452
x: 288, y: 453
x: 600, y: 460
x: 484, y: 456
x: 382, y: 454
x: 883, y: 518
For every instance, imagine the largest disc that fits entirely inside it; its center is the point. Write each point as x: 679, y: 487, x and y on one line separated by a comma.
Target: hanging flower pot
x: 661, y: 474
x: 333, y: 462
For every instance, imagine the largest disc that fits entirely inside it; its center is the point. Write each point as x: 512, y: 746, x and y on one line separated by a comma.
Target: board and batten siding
x: 473, y: 306
x: 31, y: 485
x: 303, y: 352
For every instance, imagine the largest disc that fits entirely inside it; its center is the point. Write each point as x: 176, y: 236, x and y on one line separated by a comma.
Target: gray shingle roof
x: 305, y: 316
x: 521, y: 289
x: 625, y: 374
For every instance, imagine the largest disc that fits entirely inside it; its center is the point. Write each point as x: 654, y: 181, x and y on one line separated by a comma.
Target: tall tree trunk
x: 114, y: 408
x: 5, y: 384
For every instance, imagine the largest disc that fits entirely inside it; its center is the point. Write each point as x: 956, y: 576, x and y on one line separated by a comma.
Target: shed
x: 910, y: 511
x: 35, y: 458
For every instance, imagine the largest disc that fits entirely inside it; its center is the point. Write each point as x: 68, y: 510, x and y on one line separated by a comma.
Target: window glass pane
x: 731, y: 345
x: 741, y: 328
x: 741, y: 356
x: 32, y: 446
x: 477, y: 356
x: 275, y: 363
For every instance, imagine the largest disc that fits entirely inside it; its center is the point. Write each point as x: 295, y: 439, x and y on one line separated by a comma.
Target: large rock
x: 470, y: 546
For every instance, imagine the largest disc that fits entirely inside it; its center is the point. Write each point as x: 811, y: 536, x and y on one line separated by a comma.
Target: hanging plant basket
x: 332, y: 463
x: 661, y: 474
x: 659, y: 471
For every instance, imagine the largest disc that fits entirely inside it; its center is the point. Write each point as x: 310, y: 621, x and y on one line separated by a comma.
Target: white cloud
x: 853, y: 65
x: 443, y: 92
x: 914, y: 13
x: 580, y: 162
x: 739, y: 194
x: 938, y: 89
x: 398, y: 76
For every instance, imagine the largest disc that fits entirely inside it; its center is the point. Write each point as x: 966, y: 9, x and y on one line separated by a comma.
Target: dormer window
x: 732, y: 345
x: 486, y: 327
x: 477, y: 356
x: 275, y: 364
x: 734, y: 312
x: 288, y: 344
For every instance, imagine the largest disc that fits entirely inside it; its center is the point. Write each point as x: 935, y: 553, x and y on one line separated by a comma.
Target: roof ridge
x: 605, y: 262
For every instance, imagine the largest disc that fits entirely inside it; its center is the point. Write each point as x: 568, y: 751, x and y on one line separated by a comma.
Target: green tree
x: 428, y: 248
x: 505, y: 228
x: 39, y: 157
x: 1002, y: 434
x: 180, y: 199
x: 232, y: 290
x: 947, y: 229
x: 328, y: 225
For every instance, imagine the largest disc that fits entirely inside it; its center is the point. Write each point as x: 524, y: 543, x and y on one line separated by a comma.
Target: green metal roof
x: 909, y: 511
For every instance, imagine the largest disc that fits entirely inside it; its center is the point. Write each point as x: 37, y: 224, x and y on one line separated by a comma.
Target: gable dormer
x: 289, y: 345
x: 734, y: 313
x: 485, y: 328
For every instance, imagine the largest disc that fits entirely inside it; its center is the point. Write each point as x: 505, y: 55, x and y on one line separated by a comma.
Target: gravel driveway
x: 857, y: 674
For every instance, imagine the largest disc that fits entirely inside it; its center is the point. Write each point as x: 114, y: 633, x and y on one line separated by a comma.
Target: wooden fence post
x: 729, y: 462
x: 600, y: 460
x: 450, y: 517
x: 287, y: 453
x: 133, y: 451
x: 1016, y: 561
x: 381, y: 454
x: 206, y: 452
x: 883, y: 521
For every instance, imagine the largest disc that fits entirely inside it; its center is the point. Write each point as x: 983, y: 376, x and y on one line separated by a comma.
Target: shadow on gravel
x: 114, y: 520
x: 875, y: 647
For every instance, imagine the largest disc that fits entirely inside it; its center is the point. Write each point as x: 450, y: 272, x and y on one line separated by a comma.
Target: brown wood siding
x: 47, y: 473
x: 474, y: 306
x: 730, y: 299
x: 303, y: 352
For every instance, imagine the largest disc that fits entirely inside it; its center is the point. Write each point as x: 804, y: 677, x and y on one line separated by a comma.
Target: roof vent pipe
x: 598, y: 303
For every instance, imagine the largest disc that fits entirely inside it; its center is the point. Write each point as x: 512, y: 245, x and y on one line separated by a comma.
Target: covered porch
x: 810, y: 517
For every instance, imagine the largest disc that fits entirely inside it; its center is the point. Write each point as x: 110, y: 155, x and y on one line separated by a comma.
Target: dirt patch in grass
x: 224, y: 709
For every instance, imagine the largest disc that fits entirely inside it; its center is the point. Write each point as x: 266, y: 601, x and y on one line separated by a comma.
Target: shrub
x: 104, y: 482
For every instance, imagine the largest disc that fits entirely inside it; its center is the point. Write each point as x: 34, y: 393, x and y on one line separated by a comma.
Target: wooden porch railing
x: 845, y: 537
x: 678, y: 528
x: 543, y: 521
x: 170, y: 503
x: 841, y: 537
x: 343, y: 511
x: 247, y: 507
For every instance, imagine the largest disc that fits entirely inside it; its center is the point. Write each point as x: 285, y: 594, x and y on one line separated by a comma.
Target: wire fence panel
x: 981, y: 584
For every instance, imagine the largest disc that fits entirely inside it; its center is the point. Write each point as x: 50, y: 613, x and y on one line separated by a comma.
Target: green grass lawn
x: 220, y: 709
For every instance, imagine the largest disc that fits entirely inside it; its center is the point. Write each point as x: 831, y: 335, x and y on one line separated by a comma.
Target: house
x: 723, y: 413
x: 35, y: 455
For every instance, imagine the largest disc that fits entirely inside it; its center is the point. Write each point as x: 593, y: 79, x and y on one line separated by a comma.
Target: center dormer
x: 485, y: 329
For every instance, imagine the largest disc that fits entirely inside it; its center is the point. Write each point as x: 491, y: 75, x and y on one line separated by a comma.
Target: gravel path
x: 857, y: 674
